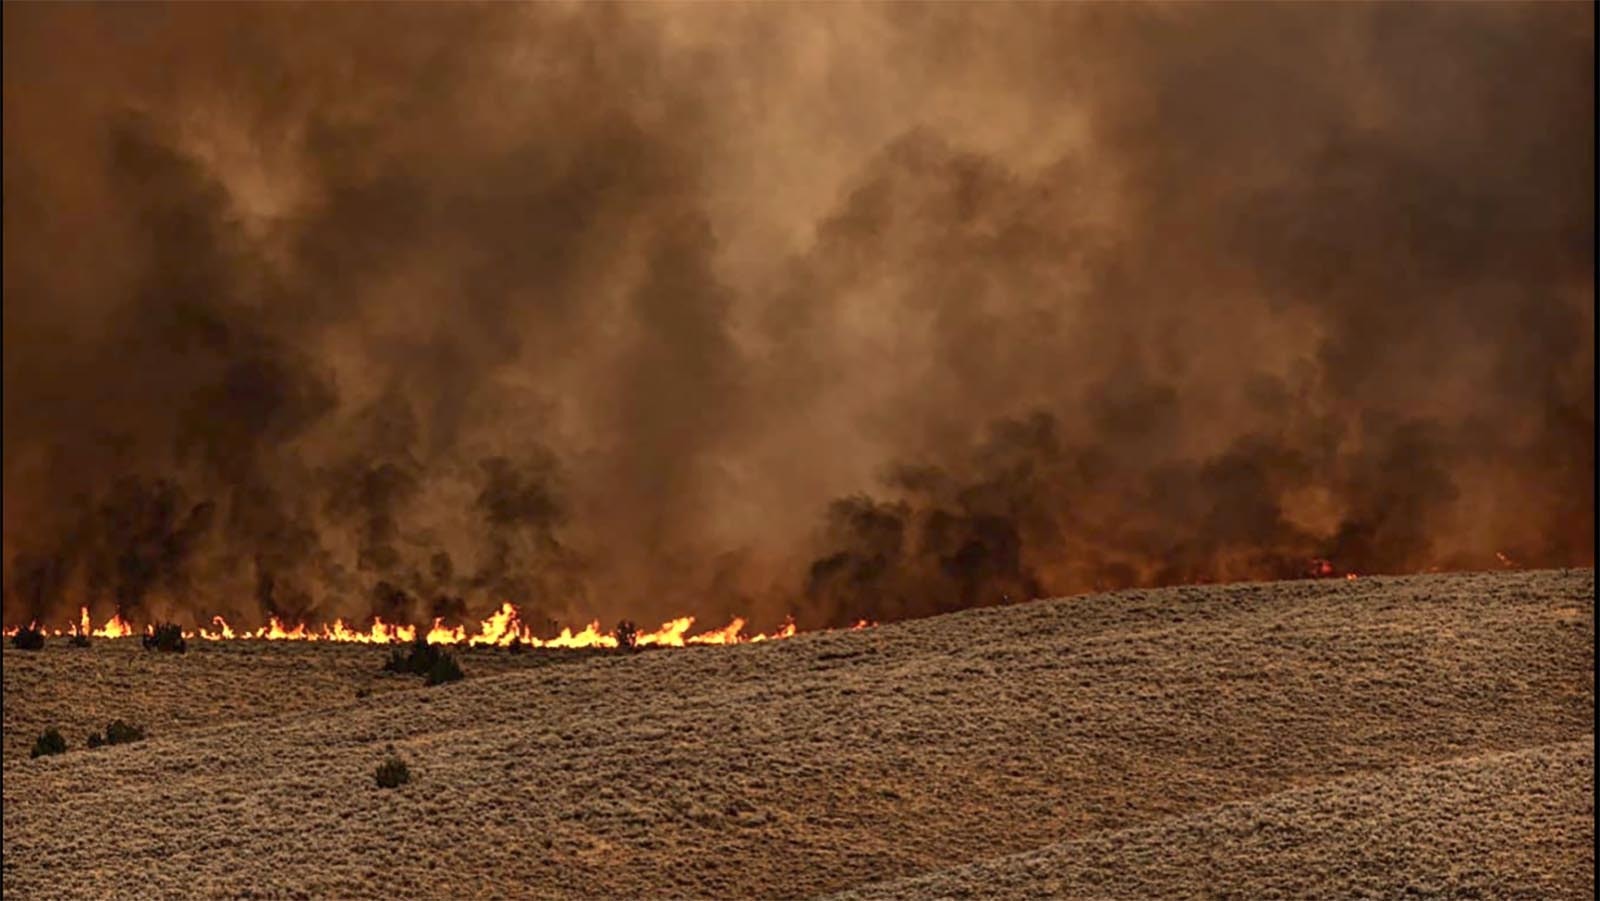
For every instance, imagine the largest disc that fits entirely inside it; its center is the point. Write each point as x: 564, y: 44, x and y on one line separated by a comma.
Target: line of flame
x: 499, y: 630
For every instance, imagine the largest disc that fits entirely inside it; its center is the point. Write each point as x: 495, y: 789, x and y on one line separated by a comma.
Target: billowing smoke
x: 867, y: 311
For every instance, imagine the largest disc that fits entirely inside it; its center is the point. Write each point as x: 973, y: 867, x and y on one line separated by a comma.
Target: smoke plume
x: 851, y: 311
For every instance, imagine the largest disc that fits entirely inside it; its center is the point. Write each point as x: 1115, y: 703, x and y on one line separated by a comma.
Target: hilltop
x: 1430, y: 734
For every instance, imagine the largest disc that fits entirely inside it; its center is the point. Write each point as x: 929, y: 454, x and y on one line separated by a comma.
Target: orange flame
x: 501, y: 628
x: 117, y: 627
x: 1320, y: 568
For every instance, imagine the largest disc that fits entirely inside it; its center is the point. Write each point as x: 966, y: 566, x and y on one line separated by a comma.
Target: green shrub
x: 393, y: 772
x: 49, y: 743
x: 28, y: 638
x: 166, y: 637
x: 444, y: 669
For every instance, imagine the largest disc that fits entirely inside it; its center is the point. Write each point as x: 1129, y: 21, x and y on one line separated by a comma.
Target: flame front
x: 501, y: 629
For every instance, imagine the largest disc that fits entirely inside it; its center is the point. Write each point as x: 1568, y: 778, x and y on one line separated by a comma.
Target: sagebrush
x: 28, y: 638
x: 444, y: 669
x: 117, y: 732
x: 166, y: 637
x: 49, y: 743
x: 424, y: 659
x: 393, y: 772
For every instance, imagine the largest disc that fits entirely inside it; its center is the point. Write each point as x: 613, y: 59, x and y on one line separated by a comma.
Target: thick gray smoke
x: 854, y: 311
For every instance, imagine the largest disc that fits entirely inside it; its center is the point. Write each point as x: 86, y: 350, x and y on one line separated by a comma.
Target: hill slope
x: 841, y: 760
x: 1514, y: 824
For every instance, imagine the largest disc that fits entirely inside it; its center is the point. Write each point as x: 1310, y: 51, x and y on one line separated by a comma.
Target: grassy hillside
x: 1516, y: 824
x: 838, y: 761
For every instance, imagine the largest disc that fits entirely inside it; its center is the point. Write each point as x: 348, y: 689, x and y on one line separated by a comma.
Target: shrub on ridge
x: 424, y: 659
x: 166, y: 637
x: 28, y: 638
x: 444, y: 669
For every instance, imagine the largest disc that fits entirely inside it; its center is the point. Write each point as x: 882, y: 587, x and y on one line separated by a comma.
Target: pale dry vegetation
x: 1512, y: 824
x: 1427, y: 735
x: 79, y: 690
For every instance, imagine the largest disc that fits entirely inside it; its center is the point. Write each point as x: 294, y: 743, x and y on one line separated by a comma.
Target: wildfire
x: 1324, y: 569
x: 501, y: 629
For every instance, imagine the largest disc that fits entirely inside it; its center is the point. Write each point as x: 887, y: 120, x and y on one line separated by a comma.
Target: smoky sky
x: 846, y: 311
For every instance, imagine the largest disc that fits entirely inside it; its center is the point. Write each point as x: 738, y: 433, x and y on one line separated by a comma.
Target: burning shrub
x: 393, y: 772
x: 28, y: 638
x: 117, y: 733
x: 444, y: 669
x: 627, y: 634
x: 78, y: 640
x: 166, y: 637
x: 515, y: 645
x: 49, y: 743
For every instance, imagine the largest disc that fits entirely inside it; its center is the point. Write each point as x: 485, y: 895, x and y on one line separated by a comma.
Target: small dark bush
x: 49, y: 743
x: 117, y: 733
x: 444, y: 669
x: 393, y: 773
x: 79, y: 640
x: 398, y: 662
x: 515, y: 644
x: 120, y: 733
x: 423, y: 659
x: 28, y: 639
x: 363, y: 693
x: 627, y: 634
x: 417, y: 660
x: 166, y: 637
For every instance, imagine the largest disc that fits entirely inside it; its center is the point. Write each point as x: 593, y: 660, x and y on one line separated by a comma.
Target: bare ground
x: 1390, y: 736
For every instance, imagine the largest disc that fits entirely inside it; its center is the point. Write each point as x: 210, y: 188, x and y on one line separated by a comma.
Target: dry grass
x: 1249, y: 729
x: 1517, y: 824
x: 79, y: 690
